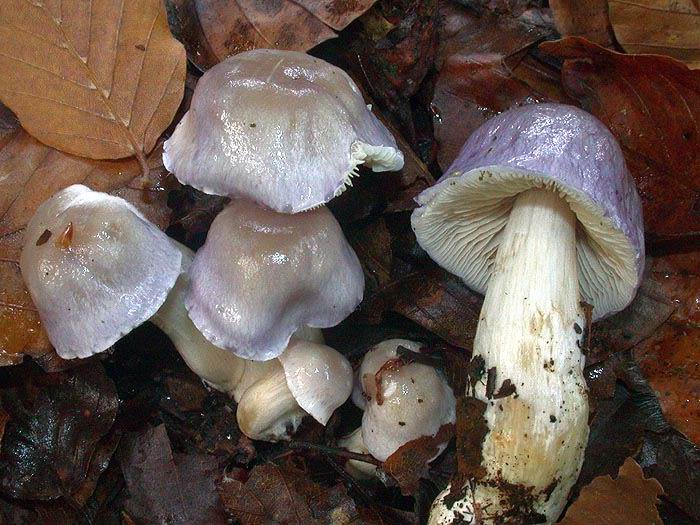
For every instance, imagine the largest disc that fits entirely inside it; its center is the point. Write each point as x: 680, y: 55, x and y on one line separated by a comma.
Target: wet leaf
x: 30, y: 172
x: 663, y: 27
x: 215, y: 29
x: 410, y: 462
x: 169, y: 488
x: 585, y: 18
x: 652, y: 105
x: 101, y: 81
x: 285, y: 496
x: 669, y: 359
x: 432, y: 298
x: 629, y: 499
x: 56, y: 422
x: 476, y: 58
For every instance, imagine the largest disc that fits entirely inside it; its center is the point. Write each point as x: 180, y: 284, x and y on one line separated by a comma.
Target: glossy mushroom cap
x: 416, y: 401
x: 554, y: 146
x: 262, y: 275
x: 319, y: 377
x: 280, y: 128
x: 95, y: 269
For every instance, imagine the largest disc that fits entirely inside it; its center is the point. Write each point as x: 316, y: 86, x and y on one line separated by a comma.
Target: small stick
x: 340, y: 452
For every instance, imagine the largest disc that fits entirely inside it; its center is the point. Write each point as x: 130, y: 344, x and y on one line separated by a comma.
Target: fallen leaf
x: 285, y: 496
x: 56, y: 422
x: 393, y: 63
x: 215, y: 29
x: 663, y: 27
x: 169, y: 488
x: 669, y: 359
x: 432, y: 298
x: 585, y: 18
x: 652, y: 105
x: 462, y: 31
x: 476, y: 59
x: 101, y: 81
x: 469, y: 91
x: 409, y: 463
x: 30, y: 172
x: 649, y: 310
x: 629, y: 499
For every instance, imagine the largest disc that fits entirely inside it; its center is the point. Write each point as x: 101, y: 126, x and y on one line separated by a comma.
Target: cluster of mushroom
x: 281, y: 133
x: 538, y: 212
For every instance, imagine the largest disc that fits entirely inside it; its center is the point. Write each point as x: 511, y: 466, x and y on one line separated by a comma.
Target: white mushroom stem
x: 353, y: 442
x: 530, y: 330
x: 224, y: 371
x: 268, y: 409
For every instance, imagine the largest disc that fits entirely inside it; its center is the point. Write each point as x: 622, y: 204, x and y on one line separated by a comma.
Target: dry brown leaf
x: 215, y: 29
x: 629, y: 499
x: 30, y: 172
x: 664, y: 27
x: 100, y: 80
x: 586, y: 18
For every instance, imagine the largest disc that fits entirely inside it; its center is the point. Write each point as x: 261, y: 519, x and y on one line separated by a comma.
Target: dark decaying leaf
x: 432, y: 298
x: 169, y: 488
x: 410, y: 461
x: 273, y: 494
x: 669, y: 358
x: 212, y: 30
x: 56, y: 422
x: 629, y: 499
x: 394, y: 53
x: 477, y: 56
x: 652, y: 105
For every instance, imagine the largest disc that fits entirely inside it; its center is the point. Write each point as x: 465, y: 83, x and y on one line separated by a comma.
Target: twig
x: 340, y: 452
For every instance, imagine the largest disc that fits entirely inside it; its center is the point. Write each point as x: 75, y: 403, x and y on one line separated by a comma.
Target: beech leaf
x: 586, y: 18
x: 101, y: 79
x: 629, y: 499
x: 651, y: 103
x: 664, y: 27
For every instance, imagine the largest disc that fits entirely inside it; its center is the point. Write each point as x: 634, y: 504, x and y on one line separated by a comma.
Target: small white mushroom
x: 280, y: 128
x: 262, y: 275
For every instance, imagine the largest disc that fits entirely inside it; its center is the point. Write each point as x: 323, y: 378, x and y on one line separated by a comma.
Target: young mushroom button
x: 280, y: 128
x: 539, y: 213
x: 262, y: 275
x: 405, y: 401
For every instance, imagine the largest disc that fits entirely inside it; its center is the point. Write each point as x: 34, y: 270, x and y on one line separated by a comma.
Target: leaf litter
x: 134, y: 436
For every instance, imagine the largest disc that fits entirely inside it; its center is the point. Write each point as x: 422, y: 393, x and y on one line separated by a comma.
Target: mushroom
x: 96, y: 269
x: 261, y: 275
x: 404, y: 401
x: 540, y: 214
x: 307, y: 378
x: 280, y: 128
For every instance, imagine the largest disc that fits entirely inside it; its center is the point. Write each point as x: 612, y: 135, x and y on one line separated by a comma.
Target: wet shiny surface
x: 261, y: 275
x: 275, y: 127
x: 108, y: 276
x: 416, y: 400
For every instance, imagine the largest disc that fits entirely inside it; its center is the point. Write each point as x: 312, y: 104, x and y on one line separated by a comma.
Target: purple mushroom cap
x: 553, y: 146
x: 281, y: 128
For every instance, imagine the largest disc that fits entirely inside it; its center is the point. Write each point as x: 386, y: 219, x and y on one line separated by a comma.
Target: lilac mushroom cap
x: 280, y: 128
x: 95, y: 269
x: 262, y: 275
x: 552, y: 146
